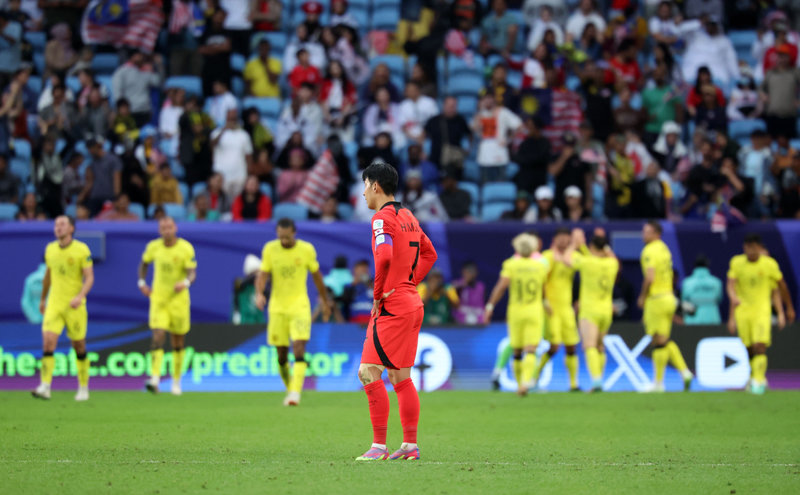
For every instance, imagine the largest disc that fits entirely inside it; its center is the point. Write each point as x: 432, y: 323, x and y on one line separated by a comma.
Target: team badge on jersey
x: 377, y: 224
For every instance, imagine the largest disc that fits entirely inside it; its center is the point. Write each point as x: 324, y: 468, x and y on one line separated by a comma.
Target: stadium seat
x: 492, y: 212
x: 475, y: 193
x: 472, y: 171
x: 192, y: 84
x: 73, y: 84
x: 72, y: 209
x: 345, y: 211
x: 267, y: 107
x: 290, y: 210
x: 137, y: 209
x: 238, y: 62
x: 743, y: 128
x: 457, y: 65
x: 465, y: 83
x: 38, y: 62
x: 37, y: 39
x: 105, y: 80
x: 21, y: 167
x: 22, y: 148
x: 8, y: 211
x: 174, y: 210
x: 360, y: 14
x: 184, y: 189
x: 266, y: 190
x: 198, y: 188
x: 743, y: 39
x: 495, y: 192
x: 395, y: 63
x: 277, y: 42
x: 386, y: 18
x: 514, y: 78
x: 237, y: 86
x: 105, y: 63
x: 35, y: 84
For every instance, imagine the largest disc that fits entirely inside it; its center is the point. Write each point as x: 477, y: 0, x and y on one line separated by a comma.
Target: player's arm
x: 787, y: 300
x: 326, y: 303
x: 142, y: 282
x: 88, y: 282
x: 45, y: 290
x: 261, y: 284
x: 730, y: 287
x: 497, y: 293
x: 649, y: 276
x: 777, y: 303
x: 427, y: 257
x: 191, y: 276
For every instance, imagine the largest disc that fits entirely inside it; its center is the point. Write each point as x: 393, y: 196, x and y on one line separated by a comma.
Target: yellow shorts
x: 658, y: 314
x: 76, y: 321
x: 561, y: 327
x: 524, y: 331
x: 174, y: 317
x: 601, y: 319
x: 754, y: 327
x: 282, y: 327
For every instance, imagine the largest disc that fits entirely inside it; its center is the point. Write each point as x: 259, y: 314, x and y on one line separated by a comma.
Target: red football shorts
x: 392, y: 340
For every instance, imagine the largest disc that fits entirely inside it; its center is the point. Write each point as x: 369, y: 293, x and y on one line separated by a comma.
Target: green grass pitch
x: 472, y: 442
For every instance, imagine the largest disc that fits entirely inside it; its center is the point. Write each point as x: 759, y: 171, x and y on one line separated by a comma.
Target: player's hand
x: 487, y: 316
x: 145, y: 290
x: 261, y: 301
x: 41, y: 306
x: 640, y: 302
x: 735, y: 301
x: 327, y: 309
x: 376, y: 304
x: 731, y: 326
x: 76, y: 302
x: 790, y: 315
x: 179, y: 286
x: 781, y: 321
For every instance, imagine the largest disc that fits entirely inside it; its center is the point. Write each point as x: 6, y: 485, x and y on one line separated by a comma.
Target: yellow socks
x: 572, y: 368
x: 48, y: 363
x: 82, y: 363
x: 542, y: 362
x: 593, y: 362
x: 660, y: 358
x: 675, y: 357
x: 298, y: 376
x: 528, y: 368
x: 177, y: 364
x: 285, y: 373
x: 760, y: 368
x: 602, y: 368
x: 156, y: 358
x: 516, y: 366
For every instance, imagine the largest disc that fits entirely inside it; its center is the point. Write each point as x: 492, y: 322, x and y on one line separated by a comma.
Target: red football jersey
x: 403, y: 257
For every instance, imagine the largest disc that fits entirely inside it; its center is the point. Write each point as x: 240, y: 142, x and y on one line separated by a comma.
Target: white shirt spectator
x: 133, y: 83
x: 347, y: 19
x: 168, y: 127
x: 715, y: 52
x: 531, y: 10
x: 537, y: 33
x: 577, y: 23
x: 307, y: 121
x: 230, y: 158
x: 238, y: 14
x: 219, y: 105
x: 742, y: 100
x: 426, y: 206
x: 414, y: 114
x: 493, y: 147
x: 316, y: 55
x: 663, y: 27
x: 376, y: 122
x: 534, y: 70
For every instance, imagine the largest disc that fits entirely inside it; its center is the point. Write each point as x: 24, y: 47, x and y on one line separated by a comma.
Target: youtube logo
x: 722, y: 362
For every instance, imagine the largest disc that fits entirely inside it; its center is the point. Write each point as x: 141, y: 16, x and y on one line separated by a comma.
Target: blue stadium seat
x: 277, y: 42
x: 174, y: 210
x: 72, y: 209
x: 238, y: 62
x: 386, y: 4
x: 494, y: 211
x: 743, y: 128
x: 360, y: 14
x: 290, y: 210
x: 495, y: 192
x: 192, y: 84
x: 8, y: 211
x: 137, y: 209
x: 237, y: 86
x: 198, y: 188
x: 573, y: 83
x: 472, y: 171
x: 22, y: 148
x: 386, y: 18
x: 345, y: 211
x: 465, y: 83
x: 21, y: 167
x: 266, y: 190
x: 38, y: 62
x: 475, y: 192
x: 515, y: 78
x: 73, y: 84
x: 105, y: 81
x: 396, y: 63
x: 457, y: 65
x: 184, y: 189
x: 37, y: 39
x: 35, y: 84
x: 267, y: 107
x: 743, y: 39
x: 105, y: 63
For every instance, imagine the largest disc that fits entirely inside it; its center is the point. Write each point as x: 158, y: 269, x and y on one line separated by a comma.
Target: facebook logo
x: 433, y: 364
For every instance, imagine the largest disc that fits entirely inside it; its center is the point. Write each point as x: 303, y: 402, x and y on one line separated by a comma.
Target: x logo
x: 627, y: 362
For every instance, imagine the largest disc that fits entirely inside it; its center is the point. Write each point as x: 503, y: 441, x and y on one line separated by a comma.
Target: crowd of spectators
x: 590, y: 109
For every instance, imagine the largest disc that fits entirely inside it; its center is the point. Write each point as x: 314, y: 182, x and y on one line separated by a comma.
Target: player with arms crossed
x: 753, y: 280
x: 659, y: 304
x: 598, y: 267
x: 286, y: 262
x: 403, y: 257
x: 174, y: 271
x: 524, y: 276
x: 67, y: 281
x: 560, y: 325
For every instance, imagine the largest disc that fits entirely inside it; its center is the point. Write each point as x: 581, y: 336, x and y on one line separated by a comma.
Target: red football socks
x: 408, y: 401
x: 379, y: 410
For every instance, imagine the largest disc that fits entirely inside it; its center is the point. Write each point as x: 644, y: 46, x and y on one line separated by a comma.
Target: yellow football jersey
x: 66, y: 270
x: 755, y: 280
x: 598, y: 275
x: 170, y: 264
x: 559, y: 285
x: 527, y: 276
x: 656, y: 255
x: 289, y: 269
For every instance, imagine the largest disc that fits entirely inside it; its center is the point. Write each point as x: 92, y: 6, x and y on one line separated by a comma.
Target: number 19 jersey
x: 525, y: 290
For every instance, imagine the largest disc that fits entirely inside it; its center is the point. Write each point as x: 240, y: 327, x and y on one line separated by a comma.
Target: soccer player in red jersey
x: 403, y: 257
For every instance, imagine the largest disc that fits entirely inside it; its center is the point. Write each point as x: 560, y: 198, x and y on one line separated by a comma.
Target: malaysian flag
x: 129, y: 23
x: 186, y: 15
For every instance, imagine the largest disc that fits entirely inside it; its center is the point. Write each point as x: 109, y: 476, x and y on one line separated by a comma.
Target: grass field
x: 472, y: 442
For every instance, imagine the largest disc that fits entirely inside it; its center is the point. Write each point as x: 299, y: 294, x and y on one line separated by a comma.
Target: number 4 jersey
x: 526, y: 282
x: 403, y: 256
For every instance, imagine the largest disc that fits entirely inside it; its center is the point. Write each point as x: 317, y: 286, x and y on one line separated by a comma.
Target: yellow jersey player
x: 174, y: 271
x: 659, y: 303
x: 524, y: 277
x: 67, y: 281
x: 598, y: 268
x: 753, y: 280
x: 287, y: 261
x: 560, y: 325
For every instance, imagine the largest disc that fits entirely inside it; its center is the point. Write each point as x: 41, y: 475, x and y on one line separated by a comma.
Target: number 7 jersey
x: 527, y: 277
x: 403, y: 256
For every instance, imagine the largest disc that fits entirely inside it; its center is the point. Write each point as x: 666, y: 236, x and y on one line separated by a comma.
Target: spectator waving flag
x: 129, y: 23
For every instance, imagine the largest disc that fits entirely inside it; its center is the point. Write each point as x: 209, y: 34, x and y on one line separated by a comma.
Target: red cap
x: 312, y: 8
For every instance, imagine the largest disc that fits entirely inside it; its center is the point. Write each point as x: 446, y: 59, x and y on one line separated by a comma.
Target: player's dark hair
x: 361, y: 262
x: 469, y: 264
x: 71, y: 220
x: 287, y: 223
x: 563, y: 230
x: 753, y: 238
x: 383, y: 174
x: 656, y: 226
x: 599, y: 242
x: 702, y: 261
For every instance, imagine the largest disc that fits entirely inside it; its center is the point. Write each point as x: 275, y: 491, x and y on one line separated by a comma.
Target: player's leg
x: 378, y: 399
x: 762, y: 338
x: 744, y: 331
x: 156, y: 359
x: 660, y: 354
x: 298, y: 372
x: 571, y: 363
x: 553, y: 335
x: 408, y: 403
x: 49, y: 344
x: 278, y: 337
x: 516, y: 336
x: 589, y: 337
x: 501, y: 362
x: 77, y: 321
x: 178, y: 341
x: 675, y: 355
x: 532, y: 335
